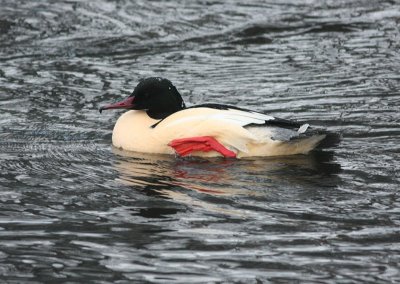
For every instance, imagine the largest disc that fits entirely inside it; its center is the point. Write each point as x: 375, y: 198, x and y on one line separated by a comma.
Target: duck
x: 157, y: 121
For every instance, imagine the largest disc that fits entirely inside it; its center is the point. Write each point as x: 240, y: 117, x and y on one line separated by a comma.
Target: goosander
x: 158, y: 121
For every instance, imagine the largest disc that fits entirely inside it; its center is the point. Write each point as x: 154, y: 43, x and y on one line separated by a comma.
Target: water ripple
x: 75, y: 209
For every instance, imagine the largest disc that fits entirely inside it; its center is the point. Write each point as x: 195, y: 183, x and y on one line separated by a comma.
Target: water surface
x: 74, y: 209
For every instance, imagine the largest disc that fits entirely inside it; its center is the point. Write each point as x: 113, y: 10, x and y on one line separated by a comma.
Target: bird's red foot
x: 185, y: 146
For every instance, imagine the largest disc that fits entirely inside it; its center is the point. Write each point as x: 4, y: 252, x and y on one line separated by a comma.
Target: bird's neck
x: 163, y: 113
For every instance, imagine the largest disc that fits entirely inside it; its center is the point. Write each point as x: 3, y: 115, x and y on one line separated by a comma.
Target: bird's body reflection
x: 213, y: 184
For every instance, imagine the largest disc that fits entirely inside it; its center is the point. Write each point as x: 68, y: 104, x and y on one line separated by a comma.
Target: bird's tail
x: 331, y: 140
x: 327, y: 139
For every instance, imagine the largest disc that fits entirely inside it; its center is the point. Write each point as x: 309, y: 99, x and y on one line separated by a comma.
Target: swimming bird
x: 158, y: 121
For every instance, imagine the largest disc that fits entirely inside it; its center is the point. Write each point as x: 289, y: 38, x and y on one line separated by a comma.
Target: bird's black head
x: 155, y: 95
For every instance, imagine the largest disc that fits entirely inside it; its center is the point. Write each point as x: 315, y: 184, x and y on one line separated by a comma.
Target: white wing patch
x: 243, y: 117
x: 235, y: 116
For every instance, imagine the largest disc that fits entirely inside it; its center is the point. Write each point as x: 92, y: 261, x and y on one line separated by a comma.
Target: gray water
x: 74, y: 209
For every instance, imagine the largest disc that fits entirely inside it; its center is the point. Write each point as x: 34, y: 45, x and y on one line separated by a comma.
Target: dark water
x: 73, y: 209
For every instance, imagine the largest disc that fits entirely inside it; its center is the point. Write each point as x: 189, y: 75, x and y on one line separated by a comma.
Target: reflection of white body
x: 242, y: 132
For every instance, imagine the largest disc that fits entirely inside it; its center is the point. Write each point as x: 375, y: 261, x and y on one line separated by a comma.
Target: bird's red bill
x: 127, y: 103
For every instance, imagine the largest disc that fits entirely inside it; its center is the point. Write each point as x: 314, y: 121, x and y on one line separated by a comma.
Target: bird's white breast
x: 133, y: 132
